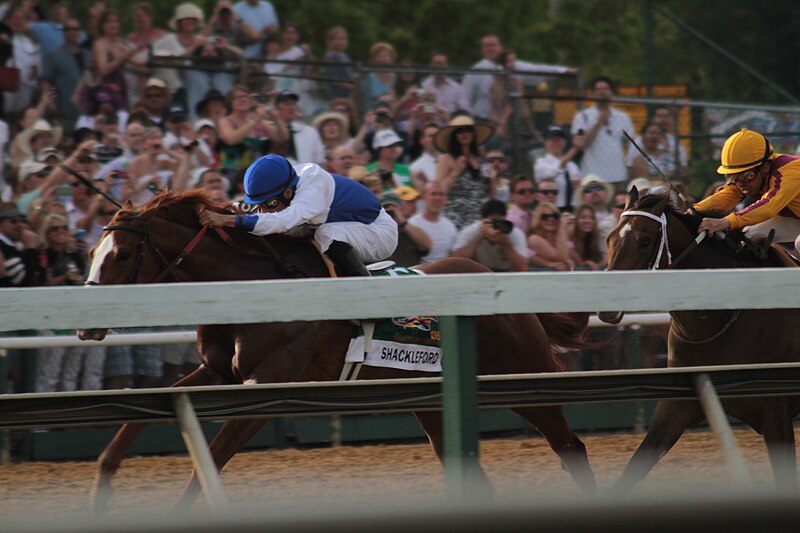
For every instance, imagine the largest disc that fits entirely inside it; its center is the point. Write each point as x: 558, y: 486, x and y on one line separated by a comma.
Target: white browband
x: 663, y: 245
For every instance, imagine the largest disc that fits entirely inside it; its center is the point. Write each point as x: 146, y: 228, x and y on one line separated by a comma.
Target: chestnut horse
x: 710, y: 337
x: 139, y: 244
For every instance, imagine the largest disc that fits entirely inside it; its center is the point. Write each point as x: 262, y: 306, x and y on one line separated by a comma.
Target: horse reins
x: 664, y: 245
x: 171, y: 265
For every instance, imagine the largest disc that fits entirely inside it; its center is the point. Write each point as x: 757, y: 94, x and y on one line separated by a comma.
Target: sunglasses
x: 495, y: 159
x: 551, y: 192
x: 550, y: 216
x: 72, y: 28
x: 57, y: 228
x: 524, y: 191
x: 16, y: 220
x: 463, y: 130
x: 153, y: 95
x: 594, y: 188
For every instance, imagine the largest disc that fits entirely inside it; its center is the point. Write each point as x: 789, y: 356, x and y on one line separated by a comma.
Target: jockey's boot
x: 347, y: 262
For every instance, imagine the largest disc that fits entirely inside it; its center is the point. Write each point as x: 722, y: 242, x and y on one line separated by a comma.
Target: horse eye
x: 644, y: 242
x: 123, y: 256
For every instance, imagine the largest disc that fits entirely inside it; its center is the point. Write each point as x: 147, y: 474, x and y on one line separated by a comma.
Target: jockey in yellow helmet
x: 752, y: 168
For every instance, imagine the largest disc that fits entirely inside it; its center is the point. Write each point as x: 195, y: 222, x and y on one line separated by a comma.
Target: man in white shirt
x: 477, y: 86
x: 305, y: 144
x: 493, y: 241
x: 602, y: 126
x: 448, y: 92
x: 559, y: 166
x: 423, y: 168
x: 441, y: 230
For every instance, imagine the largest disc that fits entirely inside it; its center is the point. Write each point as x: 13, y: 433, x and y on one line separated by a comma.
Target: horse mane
x: 184, y: 203
x: 735, y: 243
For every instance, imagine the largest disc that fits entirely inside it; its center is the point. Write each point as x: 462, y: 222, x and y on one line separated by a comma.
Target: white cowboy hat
x: 186, y: 11
x: 593, y: 179
x: 344, y: 123
x: 40, y: 126
x: 482, y: 132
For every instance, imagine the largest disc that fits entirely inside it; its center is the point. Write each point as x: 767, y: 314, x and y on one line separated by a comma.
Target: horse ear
x: 633, y: 197
x: 128, y: 205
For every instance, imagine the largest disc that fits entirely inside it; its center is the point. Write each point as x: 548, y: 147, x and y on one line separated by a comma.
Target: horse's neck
x: 701, y: 256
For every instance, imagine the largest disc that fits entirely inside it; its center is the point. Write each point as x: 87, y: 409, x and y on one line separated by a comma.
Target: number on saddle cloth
x: 405, y: 343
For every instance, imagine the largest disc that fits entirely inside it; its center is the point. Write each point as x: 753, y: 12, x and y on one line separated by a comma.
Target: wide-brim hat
x: 40, y: 126
x: 483, y: 132
x: 344, y: 123
x: 592, y: 179
x: 210, y: 96
x: 186, y: 11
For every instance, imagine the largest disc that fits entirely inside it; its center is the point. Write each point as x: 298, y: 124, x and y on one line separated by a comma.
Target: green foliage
x: 597, y: 36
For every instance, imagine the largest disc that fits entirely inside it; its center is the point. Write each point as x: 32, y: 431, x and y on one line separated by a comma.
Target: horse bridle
x: 664, y: 245
x: 144, y: 241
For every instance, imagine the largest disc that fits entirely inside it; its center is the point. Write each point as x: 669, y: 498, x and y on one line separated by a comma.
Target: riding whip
x: 91, y: 186
x: 704, y: 233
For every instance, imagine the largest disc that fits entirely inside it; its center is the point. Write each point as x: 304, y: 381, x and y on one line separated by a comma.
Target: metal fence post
x: 5, y: 441
x: 460, y: 405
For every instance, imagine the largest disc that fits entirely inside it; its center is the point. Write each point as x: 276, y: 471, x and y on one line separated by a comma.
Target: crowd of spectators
x: 92, y: 103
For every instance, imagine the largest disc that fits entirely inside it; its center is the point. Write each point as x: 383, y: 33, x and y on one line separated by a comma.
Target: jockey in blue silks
x: 350, y: 225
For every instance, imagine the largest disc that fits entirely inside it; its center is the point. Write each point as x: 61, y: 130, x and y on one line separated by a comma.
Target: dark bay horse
x: 711, y: 337
x: 138, y: 246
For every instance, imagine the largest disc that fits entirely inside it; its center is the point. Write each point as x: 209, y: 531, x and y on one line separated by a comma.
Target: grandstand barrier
x: 443, y: 295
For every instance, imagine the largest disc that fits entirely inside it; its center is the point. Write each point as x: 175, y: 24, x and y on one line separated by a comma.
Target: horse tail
x: 566, y: 329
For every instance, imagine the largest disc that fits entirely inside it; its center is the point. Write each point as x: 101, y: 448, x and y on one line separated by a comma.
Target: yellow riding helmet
x: 744, y: 150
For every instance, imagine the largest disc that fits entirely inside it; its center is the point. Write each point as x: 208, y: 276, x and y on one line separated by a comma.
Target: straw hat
x: 186, y: 11
x: 40, y: 126
x: 482, y: 132
x: 593, y: 179
x: 344, y: 123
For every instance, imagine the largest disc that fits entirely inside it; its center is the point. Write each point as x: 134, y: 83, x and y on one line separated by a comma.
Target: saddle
x: 782, y: 256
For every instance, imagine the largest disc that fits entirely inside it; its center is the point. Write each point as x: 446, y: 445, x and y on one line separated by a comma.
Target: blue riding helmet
x: 268, y: 177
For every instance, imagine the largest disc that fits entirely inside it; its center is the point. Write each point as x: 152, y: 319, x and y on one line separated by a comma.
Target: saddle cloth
x: 405, y: 343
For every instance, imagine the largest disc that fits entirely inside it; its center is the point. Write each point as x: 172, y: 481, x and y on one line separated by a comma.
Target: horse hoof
x: 99, y: 501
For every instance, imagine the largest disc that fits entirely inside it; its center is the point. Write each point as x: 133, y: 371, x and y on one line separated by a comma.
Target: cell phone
x: 580, y: 131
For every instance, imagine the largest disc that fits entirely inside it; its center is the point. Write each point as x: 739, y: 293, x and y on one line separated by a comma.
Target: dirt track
x: 516, y: 466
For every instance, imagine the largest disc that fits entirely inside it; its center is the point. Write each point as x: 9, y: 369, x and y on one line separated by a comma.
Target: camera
x: 381, y: 116
x: 429, y: 108
x: 421, y: 93
x: 502, y: 225
x: 386, y: 175
x: 190, y: 146
x: 213, y: 40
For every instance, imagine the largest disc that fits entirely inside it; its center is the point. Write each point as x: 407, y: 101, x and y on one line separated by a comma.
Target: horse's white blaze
x: 624, y: 230
x: 100, y: 254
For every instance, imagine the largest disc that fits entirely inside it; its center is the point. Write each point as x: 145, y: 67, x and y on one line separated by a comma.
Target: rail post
x: 460, y: 405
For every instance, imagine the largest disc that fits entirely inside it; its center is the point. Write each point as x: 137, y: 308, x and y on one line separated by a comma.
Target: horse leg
x: 109, y: 461
x: 432, y: 424
x: 670, y: 420
x: 231, y: 437
x: 778, y: 432
x: 551, y: 423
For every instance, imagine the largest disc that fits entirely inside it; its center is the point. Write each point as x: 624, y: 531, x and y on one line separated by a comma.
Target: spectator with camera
x: 447, y: 92
x: 389, y: 147
x: 441, y: 231
x: 380, y: 118
x: 602, y: 126
x: 157, y: 167
x: 412, y: 242
x: 249, y: 131
x: 493, y: 241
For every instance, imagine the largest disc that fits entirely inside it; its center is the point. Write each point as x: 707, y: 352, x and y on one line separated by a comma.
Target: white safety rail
x: 347, y: 298
x: 188, y: 337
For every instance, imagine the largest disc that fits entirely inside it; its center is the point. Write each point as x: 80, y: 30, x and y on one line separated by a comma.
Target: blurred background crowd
x: 191, y: 101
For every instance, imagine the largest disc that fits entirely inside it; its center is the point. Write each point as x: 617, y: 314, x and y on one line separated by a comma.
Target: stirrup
x: 380, y: 265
